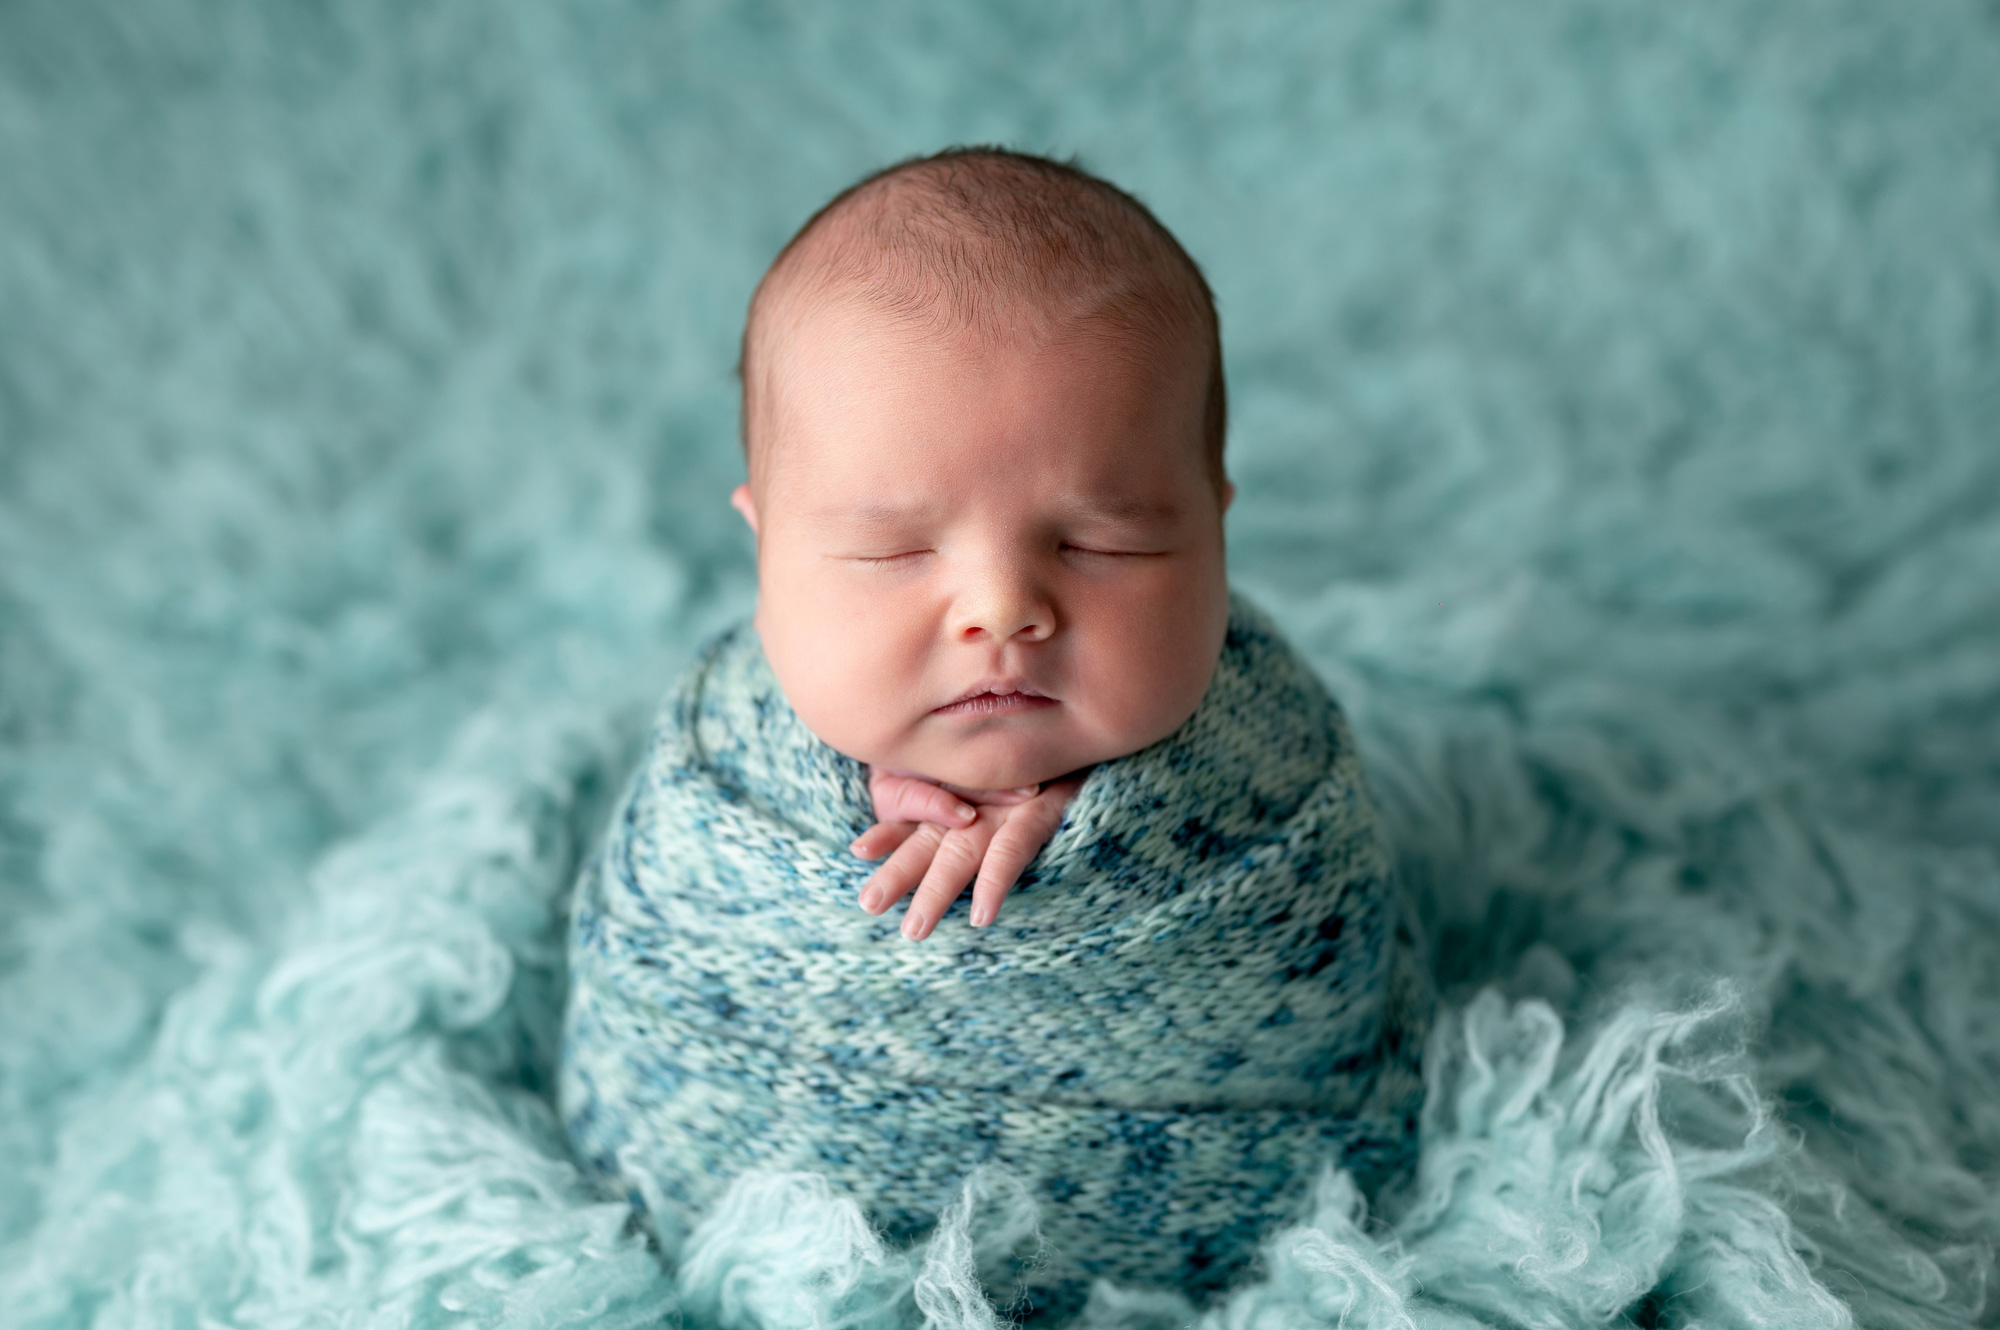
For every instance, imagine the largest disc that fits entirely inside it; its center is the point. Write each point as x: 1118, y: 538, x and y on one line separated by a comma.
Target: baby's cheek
x: 850, y: 662
x: 1146, y: 673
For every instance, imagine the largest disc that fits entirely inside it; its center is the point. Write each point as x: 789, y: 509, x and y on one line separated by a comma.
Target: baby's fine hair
x: 968, y: 237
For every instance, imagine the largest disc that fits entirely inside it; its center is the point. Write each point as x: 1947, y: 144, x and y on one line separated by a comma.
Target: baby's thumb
x: 906, y: 799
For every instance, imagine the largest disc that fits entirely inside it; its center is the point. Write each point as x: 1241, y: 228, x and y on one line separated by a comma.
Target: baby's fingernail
x: 914, y: 928
x: 982, y: 915
x: 871, y: 899
x: 965, y: 812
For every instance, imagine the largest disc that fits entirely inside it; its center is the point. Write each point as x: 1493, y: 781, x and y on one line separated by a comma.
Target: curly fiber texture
x: 1203, y: 990
x: 1547, y: 1196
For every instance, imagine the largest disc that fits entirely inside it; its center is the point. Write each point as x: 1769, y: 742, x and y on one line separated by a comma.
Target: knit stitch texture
x: 1202, y: 989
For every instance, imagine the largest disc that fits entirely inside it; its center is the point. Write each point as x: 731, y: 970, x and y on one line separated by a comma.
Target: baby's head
x: 983, y: 414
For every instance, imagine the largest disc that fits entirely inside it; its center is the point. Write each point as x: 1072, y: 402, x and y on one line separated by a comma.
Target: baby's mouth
x: 997, y: 700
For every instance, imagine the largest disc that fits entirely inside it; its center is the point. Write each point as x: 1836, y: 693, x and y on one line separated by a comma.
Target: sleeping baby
x: 1150, y: 961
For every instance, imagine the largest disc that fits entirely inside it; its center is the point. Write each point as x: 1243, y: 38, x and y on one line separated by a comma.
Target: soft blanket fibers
x: 1613, y: 391
x: 1205, y: 986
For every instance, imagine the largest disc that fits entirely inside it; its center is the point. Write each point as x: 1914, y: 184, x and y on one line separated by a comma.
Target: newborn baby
x: 984, y: 418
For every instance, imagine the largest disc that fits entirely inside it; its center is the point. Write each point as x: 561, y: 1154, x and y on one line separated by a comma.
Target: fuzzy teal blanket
x: 1203, y: 991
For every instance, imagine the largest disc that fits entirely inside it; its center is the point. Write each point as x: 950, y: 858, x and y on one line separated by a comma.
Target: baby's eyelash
x: 889, y: 558
x: 1112, y: 554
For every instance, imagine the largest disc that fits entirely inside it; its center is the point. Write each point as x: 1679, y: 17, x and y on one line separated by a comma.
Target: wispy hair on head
x: 974, y: 239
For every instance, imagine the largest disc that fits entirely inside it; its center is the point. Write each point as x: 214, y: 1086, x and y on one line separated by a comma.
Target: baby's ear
x: 740, y: 499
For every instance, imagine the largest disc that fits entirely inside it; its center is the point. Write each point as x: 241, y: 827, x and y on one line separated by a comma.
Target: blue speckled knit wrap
x: 1201, y: 991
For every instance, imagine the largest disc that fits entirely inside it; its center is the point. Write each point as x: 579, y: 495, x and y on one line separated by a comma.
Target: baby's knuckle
x: 933, y: 900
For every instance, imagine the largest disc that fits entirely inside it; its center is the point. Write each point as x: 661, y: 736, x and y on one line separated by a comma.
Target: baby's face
x: 986, y: 565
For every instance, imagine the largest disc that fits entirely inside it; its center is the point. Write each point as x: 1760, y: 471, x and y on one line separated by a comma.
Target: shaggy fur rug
x: 1617, y: 390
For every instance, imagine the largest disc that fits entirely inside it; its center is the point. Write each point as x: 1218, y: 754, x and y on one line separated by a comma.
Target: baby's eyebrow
x: 1107, y: 508
x: 1123, y: 508
x: 873, y: 513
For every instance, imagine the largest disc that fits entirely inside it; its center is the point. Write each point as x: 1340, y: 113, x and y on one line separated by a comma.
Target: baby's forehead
x: 913, y: 327
x: 977, y: 306
x: 852, y: 374
x: 874, y: 422
x: 851, y: 352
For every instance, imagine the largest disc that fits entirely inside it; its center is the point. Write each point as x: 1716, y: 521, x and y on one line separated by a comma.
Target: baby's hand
x: 940, y: 839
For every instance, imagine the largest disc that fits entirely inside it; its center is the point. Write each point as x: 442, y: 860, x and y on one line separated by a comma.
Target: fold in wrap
x: 1201, y: 992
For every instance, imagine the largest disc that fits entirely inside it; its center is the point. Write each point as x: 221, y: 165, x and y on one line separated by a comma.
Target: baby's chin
x: 993, y: 761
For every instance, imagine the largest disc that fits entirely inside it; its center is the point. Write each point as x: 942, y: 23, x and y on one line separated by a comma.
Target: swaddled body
x: 1200, y: 993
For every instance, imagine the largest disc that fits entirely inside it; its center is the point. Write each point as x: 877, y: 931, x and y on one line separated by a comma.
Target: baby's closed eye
x: 1110, y: 551
x: 899, y: 558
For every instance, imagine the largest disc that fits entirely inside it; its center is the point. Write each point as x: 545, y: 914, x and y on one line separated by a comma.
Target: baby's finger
x: 957, y: 857
x: 894, y: 880
x: 907, y: 799
x: 881, y: 838
x: 1017, y: 841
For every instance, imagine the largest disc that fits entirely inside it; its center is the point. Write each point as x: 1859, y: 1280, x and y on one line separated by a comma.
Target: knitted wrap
x: 1201, y: 991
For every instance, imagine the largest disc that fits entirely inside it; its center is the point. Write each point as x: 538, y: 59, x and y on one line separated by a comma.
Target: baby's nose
x: 1005, y: 609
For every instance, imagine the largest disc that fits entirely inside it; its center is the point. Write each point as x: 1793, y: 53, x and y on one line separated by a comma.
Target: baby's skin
x: 986, y: 562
